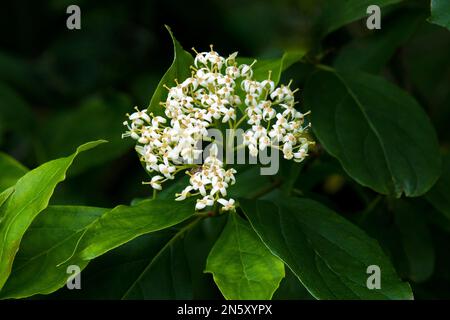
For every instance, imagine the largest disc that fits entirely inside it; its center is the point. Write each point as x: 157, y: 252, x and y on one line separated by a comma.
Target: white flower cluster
x: 211, y: 182
x: 270, y: 127
x: 208, y: 97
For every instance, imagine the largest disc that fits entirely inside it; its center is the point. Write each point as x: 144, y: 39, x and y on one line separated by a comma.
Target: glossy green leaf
x: 242, y: 267
x: 31, y: 195
x: 336, y: 14
x: 4, y: 195
x: 440, y: 13
x: 262, y: 67
x: 372, y: 52
x: 380, y: 134
x: 328, y: 254
x: 10, y: 171
x: 180, y: 70
x: 52, y: 235
x: 439, y: 195
x: 125, y: 223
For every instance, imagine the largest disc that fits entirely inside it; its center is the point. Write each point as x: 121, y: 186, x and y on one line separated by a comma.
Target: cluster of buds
x: 218, y: 89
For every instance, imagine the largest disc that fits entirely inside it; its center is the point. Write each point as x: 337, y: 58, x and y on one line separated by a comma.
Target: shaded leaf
x: 144, y: 268
x: 125, y: 223
x: 243, y: 268
x: 336, y: 14
x: 291, y: 289
x: 276, y: 66
x: 439, y: 195
x: 440, y: 13
x: 327, y: 253
x: 416, y: 240
x: 380, y: 134
x: 31, y: 195
x: 52, y: 235
x: 180, y: 70
x: 371, y: 53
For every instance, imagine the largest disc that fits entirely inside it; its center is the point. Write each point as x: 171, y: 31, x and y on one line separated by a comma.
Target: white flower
x: 269, y: 85
x: 213, y: 151
x: 264, y: 142
x: 219, y: 186
x: 229, y: 114
x: 287, y: 151
x: 140, y: 115
x: 253, y: 150
x: 229, y: 176
x: 246, y: 70
x: 300, y: 155
x: 204, y: 202
x: 166, y: 170
x: 155, y: 182
x: 199, y: 182
x: 227, y: 204
x: 181, y: 196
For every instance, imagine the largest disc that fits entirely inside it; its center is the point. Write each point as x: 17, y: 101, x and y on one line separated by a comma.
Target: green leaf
x: 336, y: 14
x: 243, y: 268
x: 327, y: 253
x: 371, y: 53
x: 144, y: 268
x: 380, y: 134
x: 4, y: 196
x: 125, y: 223
x: 176, y: 271
x: 277, y: 66
x: 440, y: 13
x: 167, y: 276
x: 52, y: 235
x: 11, y: 170
x: 291, y: 289
x: 180, y: 70
x: 262, y: 67
x: 416, y: 240
x: 110, y: 275
x: 426, y: 69
x: 31, y: 195
x: 439, y: 195
x: 249, y: 182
